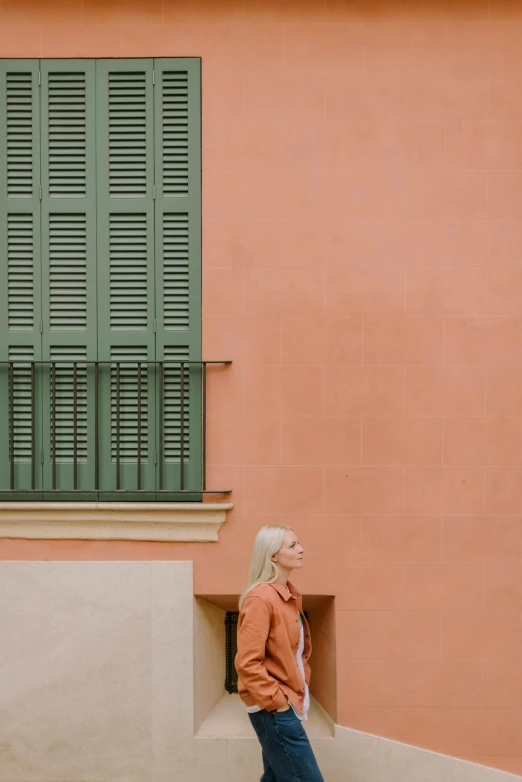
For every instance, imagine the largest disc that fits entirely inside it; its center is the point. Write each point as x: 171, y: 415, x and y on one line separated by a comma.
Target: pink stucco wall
x: 362, y: 198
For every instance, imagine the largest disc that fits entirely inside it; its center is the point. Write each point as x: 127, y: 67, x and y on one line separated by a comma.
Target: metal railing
x: 105, y: 428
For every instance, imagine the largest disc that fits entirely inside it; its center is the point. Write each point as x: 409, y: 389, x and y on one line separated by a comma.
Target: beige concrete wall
x: 96, y: 685
x: 209, y: 658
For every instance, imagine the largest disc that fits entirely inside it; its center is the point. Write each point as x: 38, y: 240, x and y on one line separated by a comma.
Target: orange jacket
x: 268, y: 634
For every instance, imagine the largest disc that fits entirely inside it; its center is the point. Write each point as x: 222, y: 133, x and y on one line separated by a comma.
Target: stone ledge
x: 163, y: 521
x: 229, y: 719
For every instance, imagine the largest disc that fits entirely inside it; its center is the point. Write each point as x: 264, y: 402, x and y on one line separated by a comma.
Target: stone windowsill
x: 163, y: 521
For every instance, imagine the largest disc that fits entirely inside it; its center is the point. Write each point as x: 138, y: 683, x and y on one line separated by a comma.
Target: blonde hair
x: 268, y: 541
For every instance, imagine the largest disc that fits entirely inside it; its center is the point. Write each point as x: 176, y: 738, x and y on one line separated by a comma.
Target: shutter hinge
x: 155, y: 456
x: 155, y: 325
x: 40, y: 192
x: 153, y: 78
x: 42, y: 456
x: 41, y: 325
x: 153, y: 192
x: 39, y: 78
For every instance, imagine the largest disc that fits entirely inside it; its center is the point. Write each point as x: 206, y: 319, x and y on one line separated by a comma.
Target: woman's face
x: 290, y: 555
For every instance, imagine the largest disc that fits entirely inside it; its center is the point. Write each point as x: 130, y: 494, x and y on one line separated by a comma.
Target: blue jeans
x: 287, y: 754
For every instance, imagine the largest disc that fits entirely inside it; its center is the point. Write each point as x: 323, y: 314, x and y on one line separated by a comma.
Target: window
x: 100, y: 287
x: 231, y: 618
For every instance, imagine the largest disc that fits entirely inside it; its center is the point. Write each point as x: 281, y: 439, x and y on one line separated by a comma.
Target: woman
x: 273, y: 647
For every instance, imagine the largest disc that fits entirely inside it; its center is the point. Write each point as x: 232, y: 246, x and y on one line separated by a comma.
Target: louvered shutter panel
x: 69, y: 268
x: 20, y: 282
x: 104, y: 262
x: 125, y: 180
x: 177, y: 128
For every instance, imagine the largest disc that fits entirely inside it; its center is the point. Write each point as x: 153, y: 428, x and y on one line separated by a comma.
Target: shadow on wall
x: 210, y: 652
x: 321, y: 616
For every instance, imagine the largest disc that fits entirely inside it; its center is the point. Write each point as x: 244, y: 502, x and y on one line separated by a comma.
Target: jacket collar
x: 284, y: 592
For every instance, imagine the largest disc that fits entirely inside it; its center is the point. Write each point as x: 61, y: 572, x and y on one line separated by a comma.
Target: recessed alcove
x: 220, y: 714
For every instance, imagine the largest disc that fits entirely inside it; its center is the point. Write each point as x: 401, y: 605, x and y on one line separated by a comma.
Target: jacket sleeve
x: 252, y: 634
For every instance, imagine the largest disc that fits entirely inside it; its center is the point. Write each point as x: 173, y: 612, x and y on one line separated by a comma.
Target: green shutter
x: 68, y: 267
x: 100, y: 230
x: 177, y: 129
x: 20, y: 280
x: 125, y: 182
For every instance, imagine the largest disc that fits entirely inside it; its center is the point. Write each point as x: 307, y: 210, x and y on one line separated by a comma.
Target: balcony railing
x: 108, y: 430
